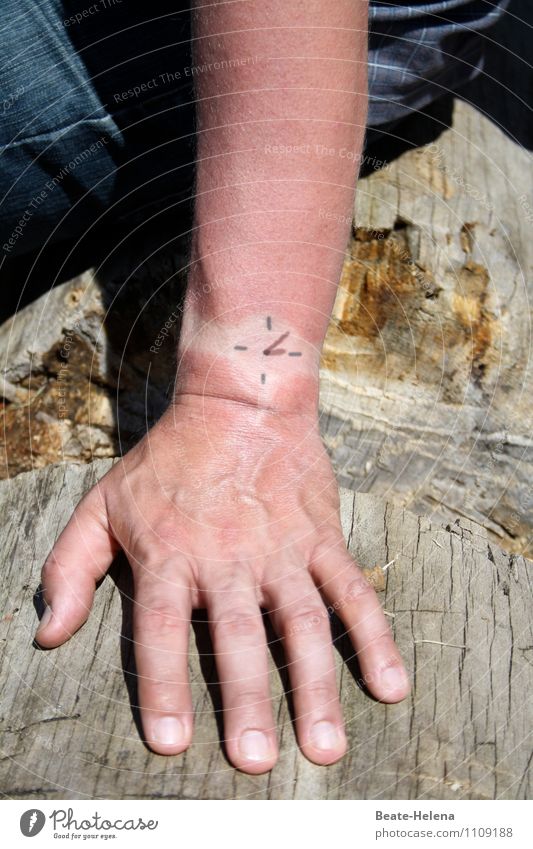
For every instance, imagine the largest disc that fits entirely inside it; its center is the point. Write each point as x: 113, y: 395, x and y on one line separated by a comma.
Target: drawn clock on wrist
x: 274, y: 346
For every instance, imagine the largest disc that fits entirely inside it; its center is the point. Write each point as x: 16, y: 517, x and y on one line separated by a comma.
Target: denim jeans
x: 97, y: 115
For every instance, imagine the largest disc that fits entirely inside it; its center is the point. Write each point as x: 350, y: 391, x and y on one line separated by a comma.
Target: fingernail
x: 45, y: 619
x: 325, y: 735
x: 255, y: 746
x: 394, y: 678
x: 168, y: 730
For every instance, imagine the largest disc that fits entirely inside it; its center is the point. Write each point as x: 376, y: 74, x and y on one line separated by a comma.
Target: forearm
x: 280, y: 127
x: 233, y: 507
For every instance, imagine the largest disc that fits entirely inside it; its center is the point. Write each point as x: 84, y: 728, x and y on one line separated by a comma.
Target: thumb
x: 82, y: 554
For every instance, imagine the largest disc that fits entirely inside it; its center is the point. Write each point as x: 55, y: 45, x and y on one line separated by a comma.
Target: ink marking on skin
x: 273, y: 350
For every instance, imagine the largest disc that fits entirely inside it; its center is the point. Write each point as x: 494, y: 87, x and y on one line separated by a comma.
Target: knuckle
x: 383, y: 636
x: 245, y: 624
x: 379, y: 643
x: 248, y: 698
x: 373, y: 675
x: 158, y: 574
x: 52, y: 568
x: 320, y: 692
x: 162, y: 693
x: 358, y: 588
x: 310, y: 620
x: 229, y: 582
x: 160, y: 619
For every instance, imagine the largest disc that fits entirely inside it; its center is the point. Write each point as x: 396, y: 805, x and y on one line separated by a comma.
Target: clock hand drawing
x: 273, y: 349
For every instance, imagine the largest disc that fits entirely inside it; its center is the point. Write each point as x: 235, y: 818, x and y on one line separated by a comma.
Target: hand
x: 229, y: 507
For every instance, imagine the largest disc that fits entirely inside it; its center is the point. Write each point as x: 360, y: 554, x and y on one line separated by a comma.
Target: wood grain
x: 427, y: 370
x: 461, y: 612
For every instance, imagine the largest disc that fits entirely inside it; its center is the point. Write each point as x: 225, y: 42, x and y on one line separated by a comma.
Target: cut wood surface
x: 461, y: 612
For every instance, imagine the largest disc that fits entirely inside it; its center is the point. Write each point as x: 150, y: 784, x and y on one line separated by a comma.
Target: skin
x: 230, y: 503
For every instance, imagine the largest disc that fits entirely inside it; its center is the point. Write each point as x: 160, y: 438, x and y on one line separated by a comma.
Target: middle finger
x: 239, y: 643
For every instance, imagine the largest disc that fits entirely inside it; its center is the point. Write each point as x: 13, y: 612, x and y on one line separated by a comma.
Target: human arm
x: 230, y: 502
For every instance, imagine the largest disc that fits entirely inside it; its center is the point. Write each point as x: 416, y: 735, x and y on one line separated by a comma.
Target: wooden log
x: 427, y: 371
x: 461, y: 612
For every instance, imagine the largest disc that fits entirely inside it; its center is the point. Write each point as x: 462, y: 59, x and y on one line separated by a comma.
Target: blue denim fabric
x: 419, y: 51
x: 96, y: 113
x: 97, y: 122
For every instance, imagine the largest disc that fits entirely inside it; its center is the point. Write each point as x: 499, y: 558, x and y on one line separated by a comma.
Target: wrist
x: 257, y: 357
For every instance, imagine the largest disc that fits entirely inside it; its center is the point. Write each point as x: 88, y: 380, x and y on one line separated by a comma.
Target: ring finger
x: 301, y: 619
x: 239, y: 643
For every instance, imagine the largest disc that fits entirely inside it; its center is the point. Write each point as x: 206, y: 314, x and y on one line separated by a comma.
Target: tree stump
x: 461, y: 612
x: 427, y: 374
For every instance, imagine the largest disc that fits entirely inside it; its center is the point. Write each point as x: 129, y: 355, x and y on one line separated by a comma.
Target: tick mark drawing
x: 273, y: 349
